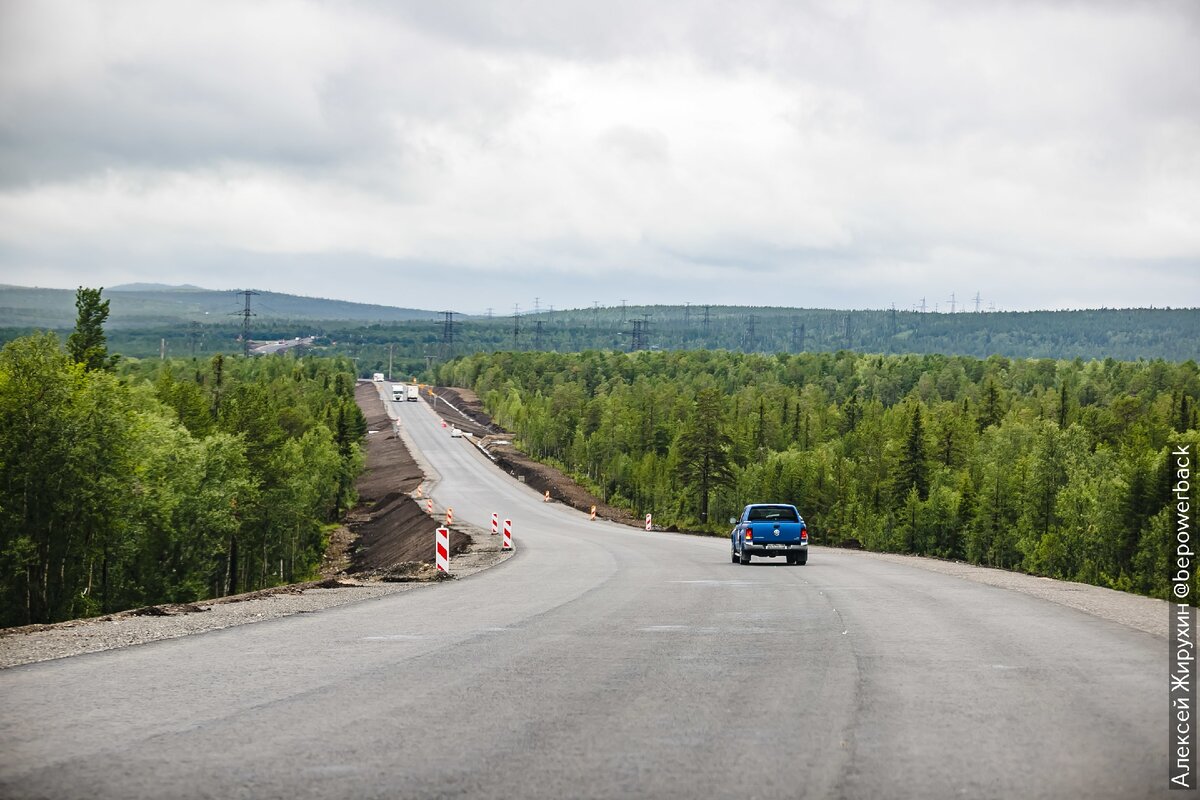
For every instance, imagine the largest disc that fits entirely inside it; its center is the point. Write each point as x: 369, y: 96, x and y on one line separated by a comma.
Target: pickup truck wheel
x: 791, y: 559
x: 733, y: 553
x: 744, y: 557
x: 802, y: 557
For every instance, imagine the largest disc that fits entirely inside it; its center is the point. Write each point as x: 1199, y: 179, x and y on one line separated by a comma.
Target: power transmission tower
x: 516, y: 326
x: 595, y: 313
x: 795, y: 334
x: 687, y: 314
x: 800, y: 342
x: 977, y: 300
x: 750, y: 340
x: 892, y: 320
x: 706, y: 320
x: 537, y: 335
x: 622, y: 312
x: 922, y: 305
x: 246, y: 314
x: 194, y: 337
x: 448, y: 326
x: 952, y: 302
x: 637, y: 340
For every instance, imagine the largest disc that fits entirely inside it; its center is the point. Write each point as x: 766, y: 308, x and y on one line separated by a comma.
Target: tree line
x: 126, y: 483
x: 1057, y: 468
x: 1126, y: 334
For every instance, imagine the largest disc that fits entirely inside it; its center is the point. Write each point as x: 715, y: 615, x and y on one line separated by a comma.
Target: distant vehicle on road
x: 399, y: 392
x: 377, y: 377
x: 412, y: 395
x: 769, y: 530
x: 456, y: 432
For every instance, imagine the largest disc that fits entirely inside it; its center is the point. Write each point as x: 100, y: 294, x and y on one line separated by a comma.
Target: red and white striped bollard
x: 449, y: 515
x: 507, y: 544
x: 647, y: 522
x: 592, y: 516
x: 495, y: 523
x: 429, y: 506
x: 442, y: 542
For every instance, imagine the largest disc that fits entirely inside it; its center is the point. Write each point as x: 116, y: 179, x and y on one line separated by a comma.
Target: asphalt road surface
x: 603, y: 661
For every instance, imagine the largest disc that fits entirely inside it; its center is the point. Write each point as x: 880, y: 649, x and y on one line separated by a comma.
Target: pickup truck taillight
x: 749, y: 534
x: 804, y: 534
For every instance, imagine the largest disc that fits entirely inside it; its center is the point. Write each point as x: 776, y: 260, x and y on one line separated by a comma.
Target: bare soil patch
x: 388, y: 528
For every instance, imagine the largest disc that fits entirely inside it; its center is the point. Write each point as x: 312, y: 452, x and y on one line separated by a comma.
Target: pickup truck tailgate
x: 768, y: 533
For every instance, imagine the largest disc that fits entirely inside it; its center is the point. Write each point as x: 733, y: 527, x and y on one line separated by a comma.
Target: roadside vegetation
x: 1056, y: 468
x: 125, y: 483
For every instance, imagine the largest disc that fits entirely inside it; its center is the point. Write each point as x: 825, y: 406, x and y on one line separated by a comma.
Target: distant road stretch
x: 603, y: 661
x: 267, y: 348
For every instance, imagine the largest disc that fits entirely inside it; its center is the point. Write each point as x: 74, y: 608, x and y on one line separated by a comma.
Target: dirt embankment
x: 388, y: 528
x: 462, y: 408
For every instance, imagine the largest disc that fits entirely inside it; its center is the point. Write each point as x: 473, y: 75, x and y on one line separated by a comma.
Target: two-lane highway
x: 602, y: 661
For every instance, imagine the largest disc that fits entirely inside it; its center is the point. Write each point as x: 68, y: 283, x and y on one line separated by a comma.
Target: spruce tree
x: 913, y: 470
x: 704, y: 461
x: 88, y: 345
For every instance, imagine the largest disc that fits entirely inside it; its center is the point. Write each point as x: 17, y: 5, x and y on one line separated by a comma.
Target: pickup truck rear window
x: 773, y: 514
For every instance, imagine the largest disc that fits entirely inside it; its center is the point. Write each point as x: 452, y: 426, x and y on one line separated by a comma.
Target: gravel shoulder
x: 1143, y: 613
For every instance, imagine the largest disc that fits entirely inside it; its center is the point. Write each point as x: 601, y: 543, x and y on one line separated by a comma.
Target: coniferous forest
x: 125, y: 483
x: 1057, y: 468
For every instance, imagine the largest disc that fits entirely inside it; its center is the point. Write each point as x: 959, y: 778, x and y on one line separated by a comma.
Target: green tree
x: 913, y: 470
x: 703, y: 447
x: 88, y: 344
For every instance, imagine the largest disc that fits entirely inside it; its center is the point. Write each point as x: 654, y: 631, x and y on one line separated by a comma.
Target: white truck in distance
x: 399, y: 392
x: 412, y: 393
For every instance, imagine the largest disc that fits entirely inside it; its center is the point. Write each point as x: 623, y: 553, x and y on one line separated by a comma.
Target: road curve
x: 602, y: 661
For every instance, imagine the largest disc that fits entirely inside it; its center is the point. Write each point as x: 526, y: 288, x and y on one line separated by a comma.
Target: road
x: 282, y: 345
x: 603, y: 661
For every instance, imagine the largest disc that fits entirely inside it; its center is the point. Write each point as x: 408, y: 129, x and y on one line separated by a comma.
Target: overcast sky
x: 467, y: 155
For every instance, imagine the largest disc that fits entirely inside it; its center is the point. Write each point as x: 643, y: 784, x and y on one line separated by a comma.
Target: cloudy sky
x: 469, y: 155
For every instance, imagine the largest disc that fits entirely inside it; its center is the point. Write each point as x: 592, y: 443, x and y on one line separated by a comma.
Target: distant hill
x: 157, y: 287
x: 189, y: 319
x: 140, y: 305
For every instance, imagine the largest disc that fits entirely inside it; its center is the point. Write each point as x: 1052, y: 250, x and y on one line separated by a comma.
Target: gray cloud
x: 855, y: 153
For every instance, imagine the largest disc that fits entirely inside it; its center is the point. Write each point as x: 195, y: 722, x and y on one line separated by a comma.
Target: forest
x: 1051, y: 467
x: 412, y: 343
x: 125, y: 483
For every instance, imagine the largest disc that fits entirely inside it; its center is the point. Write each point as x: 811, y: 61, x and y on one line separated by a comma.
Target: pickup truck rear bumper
x: 775, y: 548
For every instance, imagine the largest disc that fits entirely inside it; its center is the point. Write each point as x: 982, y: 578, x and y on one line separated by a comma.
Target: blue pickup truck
x: 769, y: 530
